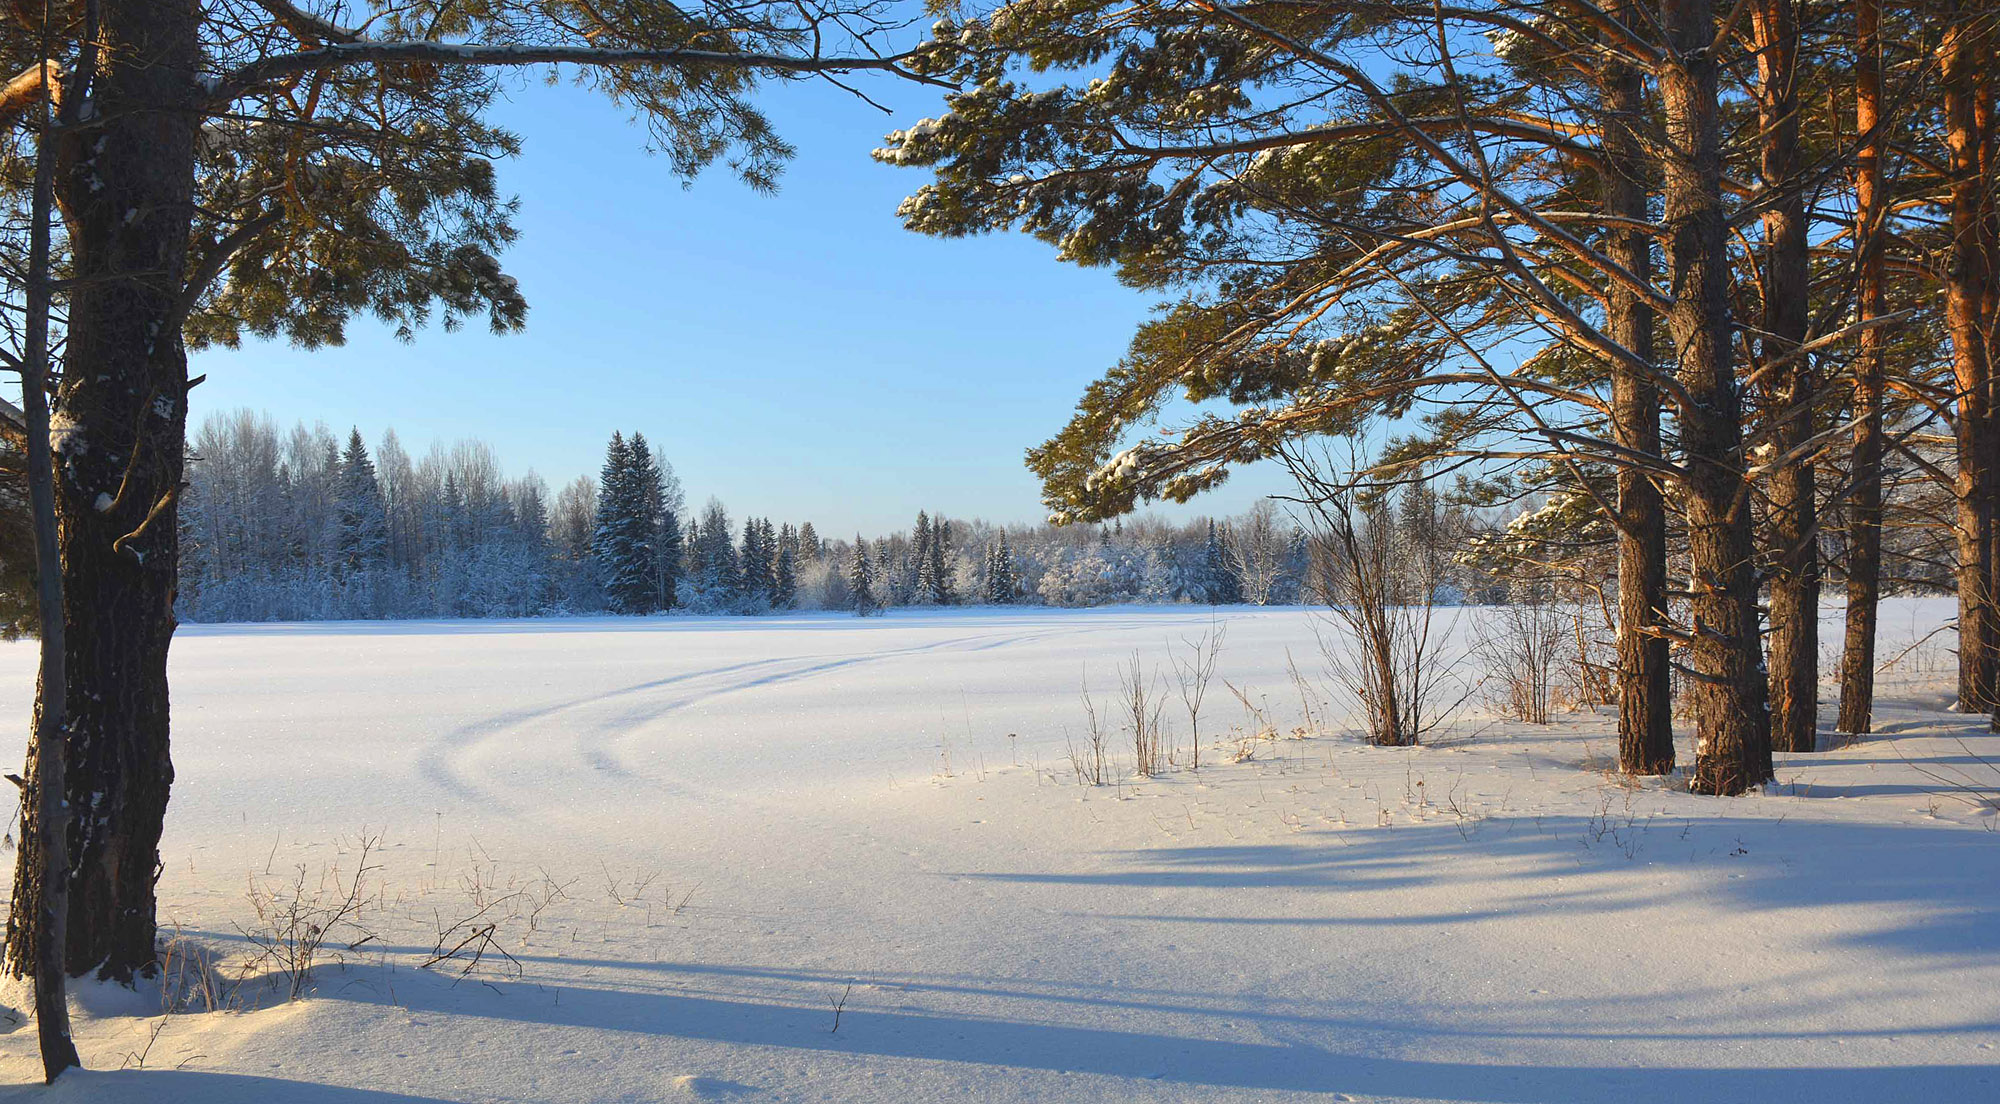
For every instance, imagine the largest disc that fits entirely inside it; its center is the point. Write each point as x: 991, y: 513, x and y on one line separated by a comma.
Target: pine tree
x: 861, y: 579
x: 785, y: 581
x: 363, y: 541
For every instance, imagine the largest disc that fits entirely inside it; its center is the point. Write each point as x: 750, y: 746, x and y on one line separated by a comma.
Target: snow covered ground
x: 704, y: 843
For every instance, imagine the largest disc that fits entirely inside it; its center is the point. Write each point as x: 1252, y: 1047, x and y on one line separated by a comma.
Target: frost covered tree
x: 936, y: 573
x: 622, y: 545
x: 1222, y: 573
x: 652, y: 520
x: 1002, y: 578
x: 861, y: 580
x: 363, y: 519
x: 759, y: 563
x: 923, y: 586
x: 785, y: 573
x: 713, y: 569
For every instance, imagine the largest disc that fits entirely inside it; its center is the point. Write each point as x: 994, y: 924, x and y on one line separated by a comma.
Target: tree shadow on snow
x: 196, y: 1087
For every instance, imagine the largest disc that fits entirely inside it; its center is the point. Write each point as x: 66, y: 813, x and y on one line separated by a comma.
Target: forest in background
x: 299, y: 525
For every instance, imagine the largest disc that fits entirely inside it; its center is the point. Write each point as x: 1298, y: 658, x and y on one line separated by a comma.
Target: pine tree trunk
x: 1967, y: 282
x: 1864, y: 539
x: 1794, y: 585
x: 1732, y: 720
x: 120, y: 421
x: 1645, y: 688
x: 1988, y: 129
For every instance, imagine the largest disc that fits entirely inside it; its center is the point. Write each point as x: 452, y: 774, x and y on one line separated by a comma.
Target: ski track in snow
x: 593, y: 739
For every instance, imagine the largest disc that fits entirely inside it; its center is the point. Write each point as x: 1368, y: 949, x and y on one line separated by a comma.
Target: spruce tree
x: 861, y: 579
x: 363, y: 540
x: 649, y: 509
x: 620, y: 547
x: 716, y: 575
x: 937, y: 563
x: 923, y: 587
x: 670, y: 553
x: 759, y: 568
x: 1003, y: 582
x: 785, y: 580
x: 1222, y: 582
x: 809, y: 543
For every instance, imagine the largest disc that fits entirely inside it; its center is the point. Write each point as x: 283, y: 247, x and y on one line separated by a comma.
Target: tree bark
x: 1864, y: 534
x: 1794, y: 580
x: 1732, y: 720
x: 1967, y: 280
x: 1985, y: 125
x: 126, y: 186
x: 1645, y: 688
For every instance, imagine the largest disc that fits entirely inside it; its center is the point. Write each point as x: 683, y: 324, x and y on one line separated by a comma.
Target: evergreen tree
x: 670, y: 553
x: 785, y: 579
x: 363, y: 541
x: 810, y: 547
x: 621, y: 548
x: 717, y: 578
x: 1222, y: 576
x: 536, y: 582
x: 923, y: 585
x: 861, y: 579
x: 759, y: 566
x: 1003, y: 580
x: 936, y: 567
x: 649, y: 505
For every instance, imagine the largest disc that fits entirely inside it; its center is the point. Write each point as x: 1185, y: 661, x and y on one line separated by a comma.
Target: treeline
x: 301, y: 525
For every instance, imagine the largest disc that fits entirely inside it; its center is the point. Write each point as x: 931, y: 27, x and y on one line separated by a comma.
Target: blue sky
x: 800, y: 355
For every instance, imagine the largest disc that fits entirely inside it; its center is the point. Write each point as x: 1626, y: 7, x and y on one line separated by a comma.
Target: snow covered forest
x: 301, y: 525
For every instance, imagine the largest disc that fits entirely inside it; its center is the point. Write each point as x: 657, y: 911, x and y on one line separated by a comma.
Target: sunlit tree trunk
x: 1794, y: 581
x: 1965, y: 56
x: 1645, y: 694
x: 1732, y: 721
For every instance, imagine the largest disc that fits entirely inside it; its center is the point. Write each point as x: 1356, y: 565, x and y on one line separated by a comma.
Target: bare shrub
x: 298, y: 917
x: 1193, y: 675
x: 1140, y: 700
x: 1090, y: 761
x: 1523, y: 647
x: 1384, y: 553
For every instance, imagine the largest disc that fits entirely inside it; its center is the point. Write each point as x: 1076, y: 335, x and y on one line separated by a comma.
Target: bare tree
x: 1193, y: 674
x: 1382, y: 587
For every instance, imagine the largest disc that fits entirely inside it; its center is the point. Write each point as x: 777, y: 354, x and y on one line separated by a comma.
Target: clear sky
x: 800, y: 356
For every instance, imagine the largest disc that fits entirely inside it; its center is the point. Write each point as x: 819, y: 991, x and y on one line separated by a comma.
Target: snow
x: 876, y: 813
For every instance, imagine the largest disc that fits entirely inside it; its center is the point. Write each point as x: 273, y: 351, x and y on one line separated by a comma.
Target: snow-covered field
x: 696, y: 838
